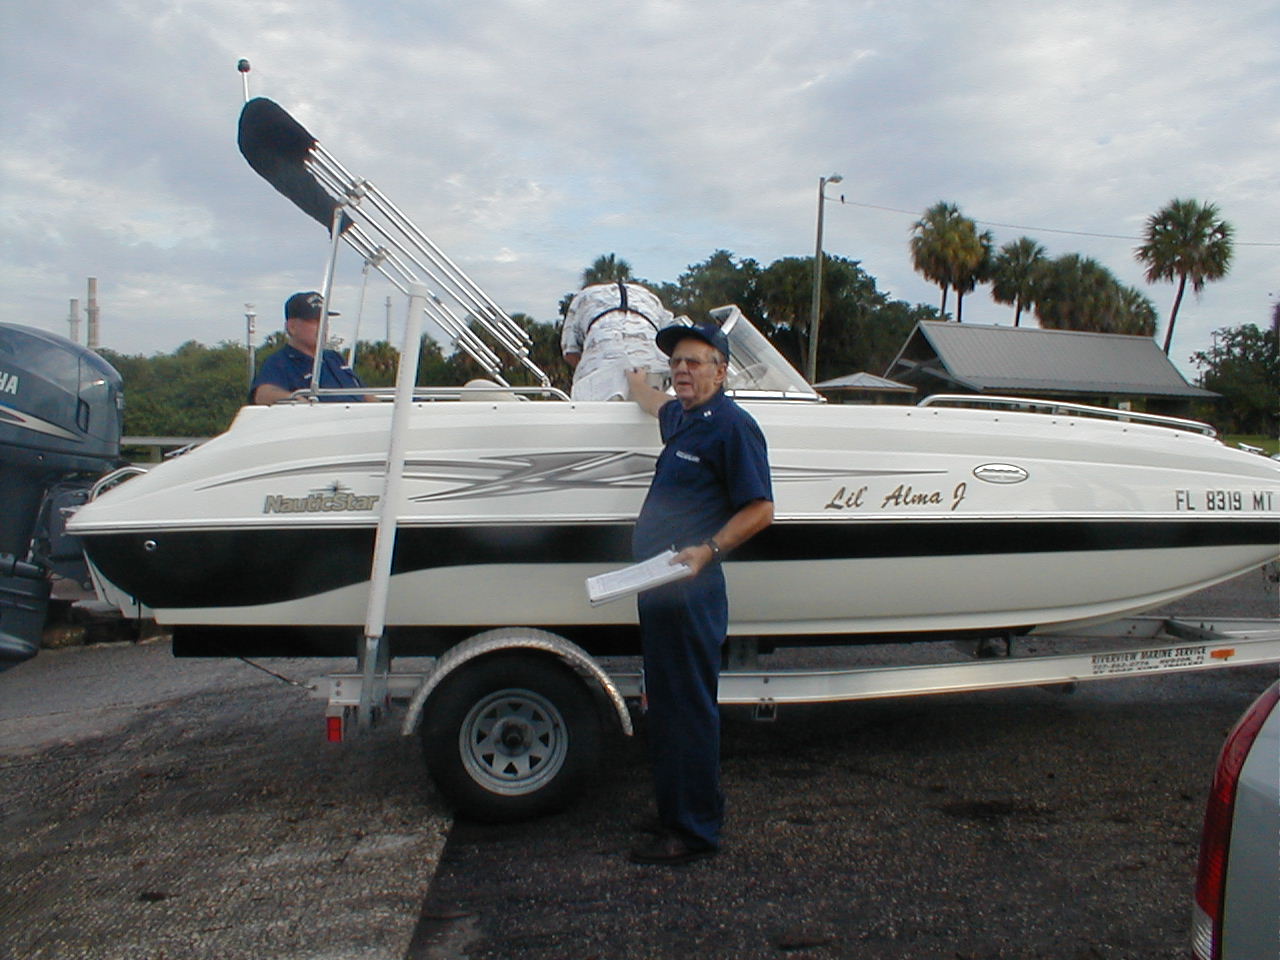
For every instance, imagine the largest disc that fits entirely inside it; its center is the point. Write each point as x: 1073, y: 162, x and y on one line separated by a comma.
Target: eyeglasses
x: 691, y: 364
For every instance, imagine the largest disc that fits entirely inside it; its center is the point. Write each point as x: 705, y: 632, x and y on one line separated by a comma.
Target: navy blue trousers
x: 682, y: 628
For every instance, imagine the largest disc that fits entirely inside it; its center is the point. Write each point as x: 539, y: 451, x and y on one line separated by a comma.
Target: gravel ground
x: 154, y: 808
x: 171, y: 809
x: 1008, y: 824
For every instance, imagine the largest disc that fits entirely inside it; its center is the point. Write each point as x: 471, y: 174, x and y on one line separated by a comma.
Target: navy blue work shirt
x: 714, y: 462
x: 290, y: 369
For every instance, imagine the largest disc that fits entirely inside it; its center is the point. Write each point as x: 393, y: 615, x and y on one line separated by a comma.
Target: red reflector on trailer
x: 1225, y: 653
x: 334, y: 729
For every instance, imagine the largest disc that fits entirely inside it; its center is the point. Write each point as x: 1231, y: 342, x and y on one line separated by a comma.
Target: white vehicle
x: 465, y: 530
x: 1237, y: 902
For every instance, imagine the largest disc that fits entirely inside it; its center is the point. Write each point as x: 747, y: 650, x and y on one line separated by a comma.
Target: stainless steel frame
x: 396, y: 247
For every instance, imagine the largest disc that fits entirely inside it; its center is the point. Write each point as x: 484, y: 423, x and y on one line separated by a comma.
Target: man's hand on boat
x: 649, y: 397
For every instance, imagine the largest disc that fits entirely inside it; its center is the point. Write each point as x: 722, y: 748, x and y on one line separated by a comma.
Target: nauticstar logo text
x: 320, y: 501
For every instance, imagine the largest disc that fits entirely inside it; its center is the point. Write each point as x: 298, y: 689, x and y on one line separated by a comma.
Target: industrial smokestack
x: 92, y: 311
x: 73, y: 321
x: 250, y: 328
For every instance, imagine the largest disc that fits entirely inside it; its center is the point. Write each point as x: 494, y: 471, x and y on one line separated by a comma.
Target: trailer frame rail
x: 1173, y: 645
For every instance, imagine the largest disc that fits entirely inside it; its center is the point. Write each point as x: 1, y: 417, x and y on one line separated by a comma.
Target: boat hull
x: 894, y: 522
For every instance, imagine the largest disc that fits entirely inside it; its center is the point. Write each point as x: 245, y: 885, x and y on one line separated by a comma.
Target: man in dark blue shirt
x: 710, y: 493
x: 290, y: 367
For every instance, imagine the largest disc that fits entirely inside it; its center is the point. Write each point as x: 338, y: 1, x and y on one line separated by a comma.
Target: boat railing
x: 498, y: 392
x: 789, y: 395
x: 114, y: 479
x: 1058, y: 408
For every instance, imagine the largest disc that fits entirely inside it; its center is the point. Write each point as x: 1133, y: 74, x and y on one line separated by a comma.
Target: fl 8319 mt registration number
x: 1224, y: 500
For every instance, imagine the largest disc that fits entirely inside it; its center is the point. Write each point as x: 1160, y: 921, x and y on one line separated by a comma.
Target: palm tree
x: 1077, y: 293
x: 974, y: 266
x: 1185, y: 240
x: 947, y: 249
x: 1136, y: 314
x: 1014, y: 274
x: 607, y: 268
x: 929, y: 243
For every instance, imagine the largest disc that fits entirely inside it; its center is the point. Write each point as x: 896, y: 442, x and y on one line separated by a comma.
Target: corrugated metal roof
x: 863, y: 381
x: 1022, y: 359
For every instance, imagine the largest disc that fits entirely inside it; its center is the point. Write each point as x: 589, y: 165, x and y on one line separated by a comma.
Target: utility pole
x: 816, y: 310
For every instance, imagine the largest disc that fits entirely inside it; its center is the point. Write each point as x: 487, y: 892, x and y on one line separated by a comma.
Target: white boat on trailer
x: 890, y: 522
x: 461, y: 522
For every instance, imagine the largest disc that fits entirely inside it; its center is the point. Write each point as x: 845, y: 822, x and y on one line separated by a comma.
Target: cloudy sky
x: 527, y: 137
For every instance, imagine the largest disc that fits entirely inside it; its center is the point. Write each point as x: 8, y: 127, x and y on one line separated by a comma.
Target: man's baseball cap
x: 306, y: 306
x: 668, y: 337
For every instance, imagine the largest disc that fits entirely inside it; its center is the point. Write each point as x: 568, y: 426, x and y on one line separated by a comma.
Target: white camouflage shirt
x: 611, y: 338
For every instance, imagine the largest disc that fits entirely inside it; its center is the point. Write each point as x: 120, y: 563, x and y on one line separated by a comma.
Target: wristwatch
x: 710, y: 543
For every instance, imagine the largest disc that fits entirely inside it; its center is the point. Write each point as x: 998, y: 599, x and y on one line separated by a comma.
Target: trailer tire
x: 510, y: 736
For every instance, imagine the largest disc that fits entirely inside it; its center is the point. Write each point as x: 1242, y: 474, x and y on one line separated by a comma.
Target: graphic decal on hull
x: 525, y: 473
x: 336, y: 497
x: 373, y: 467
x: 533, y: 473
x: 554, y: 471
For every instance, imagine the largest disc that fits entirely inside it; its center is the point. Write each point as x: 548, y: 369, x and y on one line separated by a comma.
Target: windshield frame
x: 756, y: 369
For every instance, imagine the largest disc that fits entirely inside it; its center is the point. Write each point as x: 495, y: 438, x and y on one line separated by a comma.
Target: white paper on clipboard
x: 653, y: 572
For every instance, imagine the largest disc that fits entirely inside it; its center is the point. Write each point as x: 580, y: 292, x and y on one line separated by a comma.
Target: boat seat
x: 497, y: 394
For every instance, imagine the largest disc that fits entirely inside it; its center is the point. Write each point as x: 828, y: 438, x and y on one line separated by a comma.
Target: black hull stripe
x: 247, y: 567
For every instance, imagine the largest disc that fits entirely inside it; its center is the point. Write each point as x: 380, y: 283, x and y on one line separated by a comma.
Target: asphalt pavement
x: 188, y: 809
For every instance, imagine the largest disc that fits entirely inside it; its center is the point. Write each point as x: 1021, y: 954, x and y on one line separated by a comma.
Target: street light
x: 817, y: 281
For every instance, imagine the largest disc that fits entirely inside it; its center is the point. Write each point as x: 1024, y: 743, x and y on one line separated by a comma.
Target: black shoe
x: 668, y: 849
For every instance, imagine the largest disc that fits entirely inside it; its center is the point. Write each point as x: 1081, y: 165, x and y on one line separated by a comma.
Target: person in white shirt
x: 609, y: 329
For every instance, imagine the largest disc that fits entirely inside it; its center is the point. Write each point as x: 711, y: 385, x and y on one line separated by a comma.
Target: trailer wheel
x: 510, y: 736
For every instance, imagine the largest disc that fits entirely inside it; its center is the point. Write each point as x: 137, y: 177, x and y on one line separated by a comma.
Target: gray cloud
x: 528, y: 137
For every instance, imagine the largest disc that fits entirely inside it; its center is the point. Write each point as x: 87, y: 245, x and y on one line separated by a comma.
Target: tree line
x: 1185, y: 240
x: 196, y: 390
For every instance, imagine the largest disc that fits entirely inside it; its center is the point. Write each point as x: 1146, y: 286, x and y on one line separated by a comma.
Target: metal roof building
x: 865, y: 386
x: 1024, y: 361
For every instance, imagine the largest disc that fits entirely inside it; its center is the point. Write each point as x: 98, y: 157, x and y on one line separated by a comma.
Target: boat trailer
x: 512, y: 719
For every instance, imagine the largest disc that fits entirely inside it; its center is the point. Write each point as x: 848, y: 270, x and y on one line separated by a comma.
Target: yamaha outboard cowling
x: 61, y: 409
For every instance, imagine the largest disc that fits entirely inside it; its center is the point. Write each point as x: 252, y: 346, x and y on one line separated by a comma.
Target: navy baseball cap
x: 668, y: 337
x: 305, y: 306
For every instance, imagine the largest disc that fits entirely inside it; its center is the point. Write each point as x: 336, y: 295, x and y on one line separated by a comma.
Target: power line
x: 1074, y: 233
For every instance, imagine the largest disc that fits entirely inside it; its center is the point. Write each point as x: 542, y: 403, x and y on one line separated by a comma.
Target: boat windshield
x: 756, y: 368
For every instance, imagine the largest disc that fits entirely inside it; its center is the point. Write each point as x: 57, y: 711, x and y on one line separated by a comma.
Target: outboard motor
x: 61, y: 410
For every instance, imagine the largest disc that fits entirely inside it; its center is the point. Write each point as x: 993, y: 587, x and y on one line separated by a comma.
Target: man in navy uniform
x: 290, y: 367
x: 710, y: 493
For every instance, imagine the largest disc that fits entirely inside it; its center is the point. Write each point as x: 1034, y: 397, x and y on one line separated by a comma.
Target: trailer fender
x: 513, y: 638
